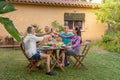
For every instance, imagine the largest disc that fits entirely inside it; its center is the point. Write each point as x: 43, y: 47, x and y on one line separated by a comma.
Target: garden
x: 102, y: 60
x: 101, y: 64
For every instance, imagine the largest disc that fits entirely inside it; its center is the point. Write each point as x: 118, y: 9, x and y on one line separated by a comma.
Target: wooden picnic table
x: 55, y: 59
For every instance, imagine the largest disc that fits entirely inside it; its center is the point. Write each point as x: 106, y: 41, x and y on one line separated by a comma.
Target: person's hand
x: 39, y: 43
x: 51, y: 30
x: 56, y: 36
x: 55, y: 33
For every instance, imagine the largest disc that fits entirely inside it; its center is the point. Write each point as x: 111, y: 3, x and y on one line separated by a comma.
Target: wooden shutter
x: 74, y: 16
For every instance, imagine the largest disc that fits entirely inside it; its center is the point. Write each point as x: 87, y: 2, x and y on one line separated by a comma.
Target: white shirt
x: 30, y: 44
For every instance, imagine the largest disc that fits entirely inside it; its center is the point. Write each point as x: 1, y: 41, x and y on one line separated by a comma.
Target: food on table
x: 57, y: 44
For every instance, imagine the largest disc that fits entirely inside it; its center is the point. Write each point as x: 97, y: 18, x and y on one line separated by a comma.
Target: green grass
x: 102, y: 65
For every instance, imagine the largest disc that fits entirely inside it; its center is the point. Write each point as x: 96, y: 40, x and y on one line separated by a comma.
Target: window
x: 74, y: 20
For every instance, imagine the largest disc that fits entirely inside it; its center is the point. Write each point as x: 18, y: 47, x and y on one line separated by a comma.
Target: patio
x: 8, y: 42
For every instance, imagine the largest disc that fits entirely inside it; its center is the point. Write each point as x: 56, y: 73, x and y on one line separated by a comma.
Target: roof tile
x: 76, y: 3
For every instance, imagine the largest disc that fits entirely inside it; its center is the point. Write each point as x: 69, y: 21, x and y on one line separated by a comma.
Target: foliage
x: 110, y: 41
x: 117, y: 38
x: 38, y: 29
x: 109, y: 13
x: 109, y: 46
x: 58, y: 27
x: 8, y: 24
x: 107, y: 38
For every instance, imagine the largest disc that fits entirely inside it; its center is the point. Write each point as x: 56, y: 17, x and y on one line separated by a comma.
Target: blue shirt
x: 64, y: 40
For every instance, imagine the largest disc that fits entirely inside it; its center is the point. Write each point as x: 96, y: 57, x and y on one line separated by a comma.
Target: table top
x: 51, y: 48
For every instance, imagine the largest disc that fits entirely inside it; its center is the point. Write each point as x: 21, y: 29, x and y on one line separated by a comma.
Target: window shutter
x: 74, y: 16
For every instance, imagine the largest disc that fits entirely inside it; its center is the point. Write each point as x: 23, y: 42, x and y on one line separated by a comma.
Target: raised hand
x: 55, y: 33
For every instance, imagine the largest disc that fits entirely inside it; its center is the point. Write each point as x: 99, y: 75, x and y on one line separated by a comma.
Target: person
x: 66, y: 33
x: 74, y: 49
x: 47, y: 33
x: 66, y: 41
x: 47, y: 30
x: 31, y: 50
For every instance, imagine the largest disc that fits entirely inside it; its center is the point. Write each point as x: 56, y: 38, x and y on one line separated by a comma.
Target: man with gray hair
x: 31, y: 50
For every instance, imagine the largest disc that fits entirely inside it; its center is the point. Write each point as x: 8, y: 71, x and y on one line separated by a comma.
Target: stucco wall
x: 26, y: 15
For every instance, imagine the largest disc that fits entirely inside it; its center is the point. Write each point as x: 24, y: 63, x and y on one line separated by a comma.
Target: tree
x: 7, y: 23
x: 109, y: 13
x: 57, y: 26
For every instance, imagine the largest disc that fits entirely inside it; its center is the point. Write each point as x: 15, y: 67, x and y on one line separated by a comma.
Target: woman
x: 74, y: 49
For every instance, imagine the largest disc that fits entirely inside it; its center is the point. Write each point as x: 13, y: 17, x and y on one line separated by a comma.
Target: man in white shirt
x: 31, y: 50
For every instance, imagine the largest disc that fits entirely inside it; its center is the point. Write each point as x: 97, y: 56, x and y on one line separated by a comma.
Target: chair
x: 32, y: 63
x: 79, y: 58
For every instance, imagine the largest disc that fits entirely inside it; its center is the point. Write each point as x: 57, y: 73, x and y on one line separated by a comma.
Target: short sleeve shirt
x: 64, y: 40
x: 30, y: 44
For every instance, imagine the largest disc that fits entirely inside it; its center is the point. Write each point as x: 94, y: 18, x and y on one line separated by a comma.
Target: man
x: 66, y: 41
x: 66, y: 33
x: 31, y: 50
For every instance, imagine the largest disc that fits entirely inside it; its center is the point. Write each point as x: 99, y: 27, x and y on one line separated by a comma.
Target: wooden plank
x: 9, y: 46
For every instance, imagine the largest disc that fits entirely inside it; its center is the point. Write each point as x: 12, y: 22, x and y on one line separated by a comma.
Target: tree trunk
x: 108, y: 27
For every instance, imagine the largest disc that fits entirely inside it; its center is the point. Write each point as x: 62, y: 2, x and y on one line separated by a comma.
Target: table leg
x: 56, y: 61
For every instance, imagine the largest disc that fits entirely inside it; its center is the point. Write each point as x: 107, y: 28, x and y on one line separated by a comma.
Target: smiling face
x: 66, y: 29
x: 47, y: 29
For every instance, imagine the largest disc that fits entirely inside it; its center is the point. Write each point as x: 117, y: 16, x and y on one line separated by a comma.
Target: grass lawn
x: 102, y: 65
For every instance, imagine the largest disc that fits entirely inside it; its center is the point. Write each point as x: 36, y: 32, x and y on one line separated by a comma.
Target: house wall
x: 26, y: 15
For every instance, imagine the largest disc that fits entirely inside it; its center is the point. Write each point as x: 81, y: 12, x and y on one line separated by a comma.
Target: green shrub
x: 107, y: 38
x: 110, y: 47
x: 110, y: 41
x: 117, y: 38
x: 57, y: 26
x: 38, y: 29
x: 117, y: 48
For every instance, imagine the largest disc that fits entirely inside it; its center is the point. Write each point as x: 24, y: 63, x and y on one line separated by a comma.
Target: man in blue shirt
x: 66, y: 33
x: 66, y: 41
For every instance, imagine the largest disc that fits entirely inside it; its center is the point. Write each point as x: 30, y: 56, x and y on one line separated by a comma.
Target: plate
x: 63, y: 46
x: 45, y: 46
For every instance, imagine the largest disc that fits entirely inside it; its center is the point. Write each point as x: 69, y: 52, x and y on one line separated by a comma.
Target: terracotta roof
x: 76, y: 3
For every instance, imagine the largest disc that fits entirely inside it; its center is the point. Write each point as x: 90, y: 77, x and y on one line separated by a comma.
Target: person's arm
x: 77, y: 42
x: 40, y: 40
x: 67, y: 37
x: 41, y: 34
x: 37, y: 38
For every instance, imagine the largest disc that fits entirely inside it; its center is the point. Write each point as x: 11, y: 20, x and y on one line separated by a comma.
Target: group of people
x: 71, y: 40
